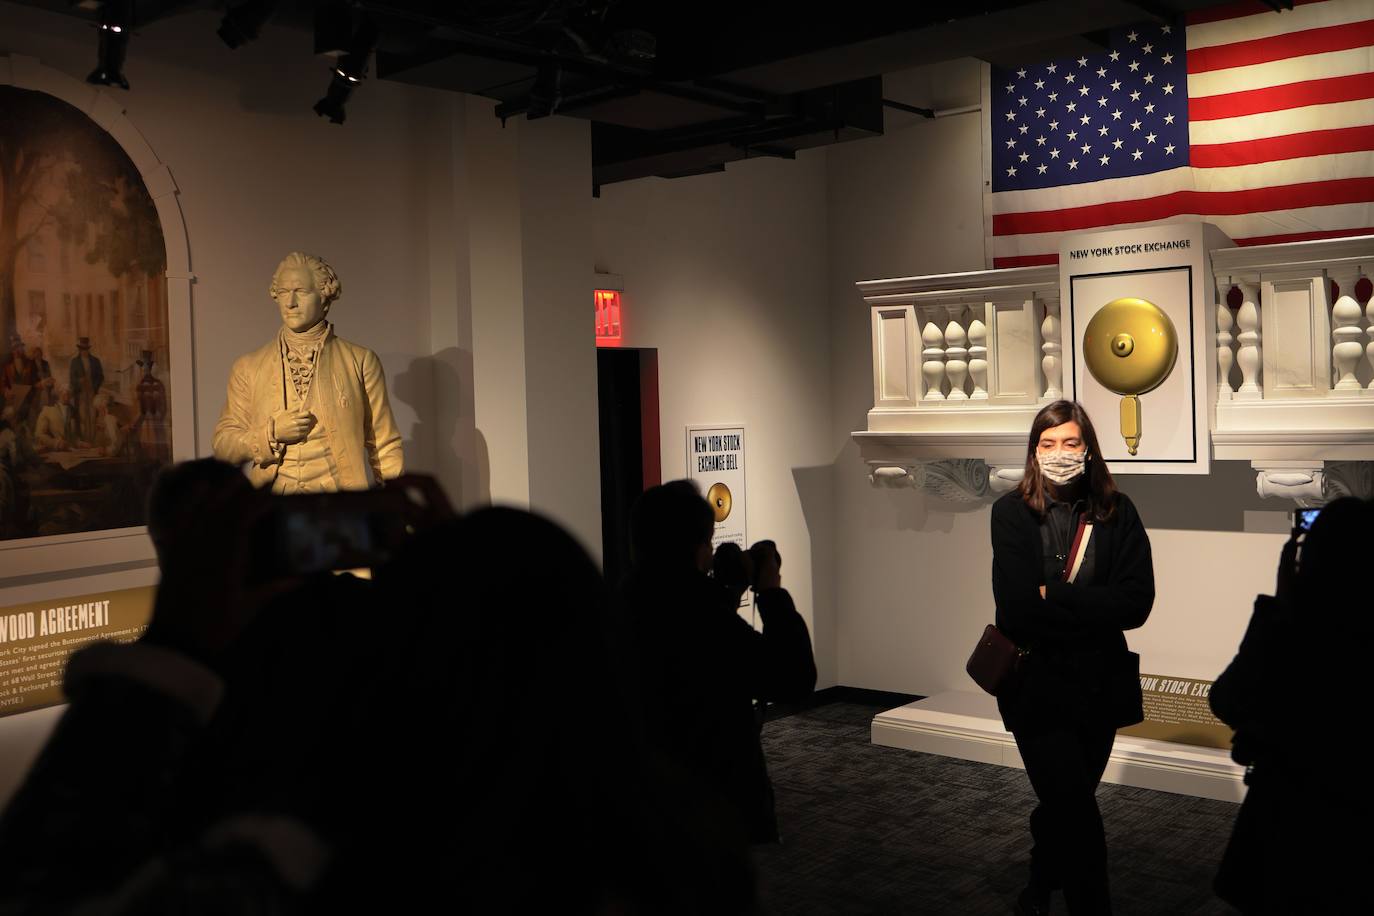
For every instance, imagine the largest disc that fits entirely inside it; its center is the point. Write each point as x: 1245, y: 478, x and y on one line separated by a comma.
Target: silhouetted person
x: 700, y: 665
x: 1298, y: 685
x: 495, y: 764
x: 76, y: 842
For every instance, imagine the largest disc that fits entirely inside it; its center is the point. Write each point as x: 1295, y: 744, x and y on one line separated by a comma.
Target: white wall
x: 913, y: 572
x: 725, y: 274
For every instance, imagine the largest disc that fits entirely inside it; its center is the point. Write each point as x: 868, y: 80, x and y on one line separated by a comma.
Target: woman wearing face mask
x: 1071, y: 570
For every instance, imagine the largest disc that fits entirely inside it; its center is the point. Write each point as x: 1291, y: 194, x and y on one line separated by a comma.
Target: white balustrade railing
x: 962, y: 362
x: 957, y: 345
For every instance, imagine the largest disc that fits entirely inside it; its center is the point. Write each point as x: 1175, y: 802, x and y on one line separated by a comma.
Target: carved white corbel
x: 1349, y: 478
x: 1302, y: 483
x: 891, y: 478
x: 1316, y: 483
x: 958, y: 480
x: 954, y: 480
x: 1004, y: 478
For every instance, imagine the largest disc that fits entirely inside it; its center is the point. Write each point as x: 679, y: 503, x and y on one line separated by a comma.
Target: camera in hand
x: 320, y: 532
x: 738, y: 569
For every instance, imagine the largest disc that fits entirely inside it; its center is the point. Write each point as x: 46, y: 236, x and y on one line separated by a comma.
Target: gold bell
x: 1130, y: 347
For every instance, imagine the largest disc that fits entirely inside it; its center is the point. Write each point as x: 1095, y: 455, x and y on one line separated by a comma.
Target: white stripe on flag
x: 1281, y: 72
x: 1282, y: 123
x: 1267, y: 23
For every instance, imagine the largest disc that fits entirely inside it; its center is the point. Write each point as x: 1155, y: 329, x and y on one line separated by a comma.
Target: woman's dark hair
x: 1101, y: 492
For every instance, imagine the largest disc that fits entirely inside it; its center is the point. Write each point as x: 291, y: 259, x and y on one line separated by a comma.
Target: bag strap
x: 1079, y: 549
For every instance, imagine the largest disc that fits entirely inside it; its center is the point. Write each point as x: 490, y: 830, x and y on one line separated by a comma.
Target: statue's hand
x: 291, y: 426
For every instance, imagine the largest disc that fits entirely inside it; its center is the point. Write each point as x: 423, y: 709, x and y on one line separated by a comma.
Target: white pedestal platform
x: 967, y: 726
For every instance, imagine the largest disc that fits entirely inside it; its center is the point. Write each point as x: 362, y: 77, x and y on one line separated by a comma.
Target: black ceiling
x: 681, y: 88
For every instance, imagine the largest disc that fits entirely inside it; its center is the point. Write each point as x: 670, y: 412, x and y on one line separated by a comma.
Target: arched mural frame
x: 87, y: 552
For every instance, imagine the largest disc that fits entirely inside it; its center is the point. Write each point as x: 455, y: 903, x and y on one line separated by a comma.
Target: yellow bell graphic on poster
x: 719, y: 498
x: 1130, y: 347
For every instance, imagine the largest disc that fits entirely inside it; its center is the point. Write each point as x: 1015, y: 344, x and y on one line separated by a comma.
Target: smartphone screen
x: 319, y: 541
x: 1303, y: 519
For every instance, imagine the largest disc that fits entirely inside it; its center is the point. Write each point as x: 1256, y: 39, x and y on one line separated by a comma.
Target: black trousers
x: 1065, y: 765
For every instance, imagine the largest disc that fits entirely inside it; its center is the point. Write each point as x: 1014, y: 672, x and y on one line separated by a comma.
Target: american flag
x: 1257, y: 121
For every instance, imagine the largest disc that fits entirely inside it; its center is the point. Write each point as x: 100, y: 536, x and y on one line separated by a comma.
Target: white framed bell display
x: 1139, y: 317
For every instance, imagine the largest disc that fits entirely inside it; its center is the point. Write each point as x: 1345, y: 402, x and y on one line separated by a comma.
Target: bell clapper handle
x: 1130, y: 422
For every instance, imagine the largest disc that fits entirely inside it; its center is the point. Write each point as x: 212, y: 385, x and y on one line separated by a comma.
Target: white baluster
x: 1050, y: 363
x: 978, y: 357
x: 956, y: 354
x: 1345, y: 323
x: 1225, y: 358
x: 1362, y: 286
x: 933, y: 360
x: 1250, y: 355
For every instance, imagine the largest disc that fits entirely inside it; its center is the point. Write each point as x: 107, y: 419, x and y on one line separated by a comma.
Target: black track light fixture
x: 116, y: 21
x: 348, y: 71
x: 242, y: 23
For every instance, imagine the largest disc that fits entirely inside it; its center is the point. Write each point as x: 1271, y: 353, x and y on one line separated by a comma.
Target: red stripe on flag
x: 1026, y: 260
x: 1303, y: 236
x: 1282, y: 47
x: 1277, y: 98
x: 1292, y: 146
x: 1237, y: 10
x: 1204, y: 203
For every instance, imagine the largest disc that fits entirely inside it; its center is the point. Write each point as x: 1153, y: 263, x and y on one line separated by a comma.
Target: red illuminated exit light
x: 608, y: 318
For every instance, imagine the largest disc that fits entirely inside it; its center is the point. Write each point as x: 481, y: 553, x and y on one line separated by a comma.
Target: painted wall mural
x: 84, y: 356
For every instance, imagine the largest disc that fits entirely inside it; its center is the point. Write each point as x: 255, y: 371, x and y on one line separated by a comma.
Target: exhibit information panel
x: 37, y: 638
x: 715, y: 463
x: 1138, y: 317
x: 1176, y: 710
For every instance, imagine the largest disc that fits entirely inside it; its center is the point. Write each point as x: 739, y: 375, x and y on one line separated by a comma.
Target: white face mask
x: 1063, y: 467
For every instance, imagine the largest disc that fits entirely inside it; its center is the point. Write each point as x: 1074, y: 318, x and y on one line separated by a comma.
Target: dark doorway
x: 627, y: 396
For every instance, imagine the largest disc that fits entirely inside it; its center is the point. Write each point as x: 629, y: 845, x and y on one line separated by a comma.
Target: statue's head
x: 304, y: 287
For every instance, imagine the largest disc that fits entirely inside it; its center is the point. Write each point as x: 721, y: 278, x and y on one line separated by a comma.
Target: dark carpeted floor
x: 876, y: 830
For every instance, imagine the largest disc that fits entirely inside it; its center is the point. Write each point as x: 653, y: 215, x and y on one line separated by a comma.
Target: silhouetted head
x: 1333, y: 553
x: 671, y: 526
x: 180, y: 492
x: 1063, y: 430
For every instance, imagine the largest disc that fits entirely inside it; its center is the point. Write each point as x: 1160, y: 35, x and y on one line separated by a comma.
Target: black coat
x: 700, y: 668
x: 1078, y: 670
x: 1300, y: 842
